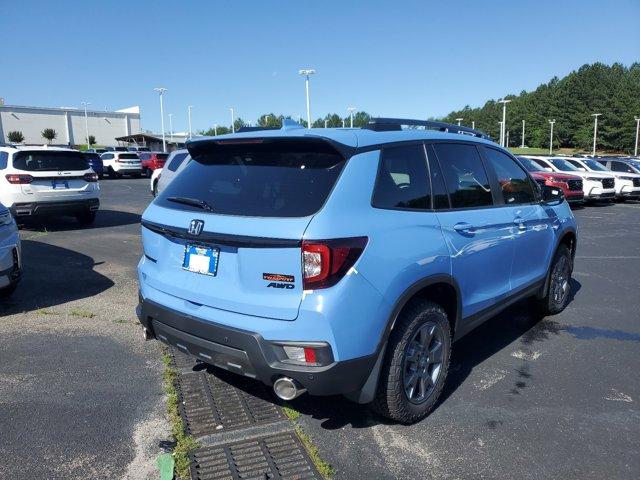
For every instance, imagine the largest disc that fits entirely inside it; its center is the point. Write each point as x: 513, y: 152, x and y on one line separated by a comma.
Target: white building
x: 69, y: 124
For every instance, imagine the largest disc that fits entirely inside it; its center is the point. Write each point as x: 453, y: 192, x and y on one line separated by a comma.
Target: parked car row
x: 587, y: 179
x: 117, y: 163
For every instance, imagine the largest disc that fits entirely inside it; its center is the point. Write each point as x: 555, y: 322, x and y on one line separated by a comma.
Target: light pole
x: 343, y: 123
x: 161, y: 91
x: 86, y: 122
x: 504, y: 120
x: 325, y: 123
x: 170, y: 115
x: 473, y: 124
x: 351, y: 110
x: 459, y: 120
x: 595, y: 131
x: 215, y: 129
x: 551, y: 122
x: 233, y: 120
x: 306, y: 72
x: 506, y: 143
x: 522, y: 146
x: 189, y: 113
x: 637, y: 119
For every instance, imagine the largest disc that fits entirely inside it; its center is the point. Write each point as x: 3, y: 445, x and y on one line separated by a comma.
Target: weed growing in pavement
x: 325, y: 469
x: 185, y: 444
x: 82, y: 313
x: 44, y: 311
x: 291, y: 412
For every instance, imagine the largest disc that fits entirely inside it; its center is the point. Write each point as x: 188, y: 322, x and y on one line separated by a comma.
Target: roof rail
x: 255, y: 129
x: 391, y: 124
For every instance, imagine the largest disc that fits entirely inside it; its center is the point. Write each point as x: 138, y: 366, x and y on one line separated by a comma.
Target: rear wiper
x: 194, y: 202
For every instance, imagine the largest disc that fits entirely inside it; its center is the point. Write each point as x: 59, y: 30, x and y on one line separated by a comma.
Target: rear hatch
x: 54, y: 173
x: 245, y: 205
x: 128, y: 159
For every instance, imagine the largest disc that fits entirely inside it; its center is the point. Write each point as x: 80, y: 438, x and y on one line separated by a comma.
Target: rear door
x: 237, y: 215
x: 55, y: 173
x: 477, y: 231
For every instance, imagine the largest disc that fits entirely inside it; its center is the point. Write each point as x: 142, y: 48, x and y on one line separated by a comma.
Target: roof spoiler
x: 394, y: 124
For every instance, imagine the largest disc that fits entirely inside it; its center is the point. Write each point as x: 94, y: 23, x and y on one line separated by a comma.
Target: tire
x: 403, y: 363
x: 155, y: 189
x: 8, y: 290
x: 558, y: 283
x: 147, y: 172
x: 86, y: 218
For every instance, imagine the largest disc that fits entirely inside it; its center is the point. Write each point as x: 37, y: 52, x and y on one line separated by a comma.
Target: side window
x: 542, y: 164
x: 464, y: 175
x: 4, y: 156
x: 177, y: 160
x: 438, y: 189
x: 578, y: 165
x: 107, y: 156
x: 621, y: 167
x: 514, y: 181
x: 403, y: 179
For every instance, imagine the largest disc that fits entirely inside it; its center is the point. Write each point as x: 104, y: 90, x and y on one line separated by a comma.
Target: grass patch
x: 122, y: 321
x: 82, y: 313
x: 44, y: 311
x: 325, y: 469
x: 291, y: 412
x: 185, y: 444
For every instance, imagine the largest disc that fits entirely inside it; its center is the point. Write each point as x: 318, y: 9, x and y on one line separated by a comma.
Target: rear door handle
x: 463, y: 227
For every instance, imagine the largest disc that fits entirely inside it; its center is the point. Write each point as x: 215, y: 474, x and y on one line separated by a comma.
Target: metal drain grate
x: 275, y: 457
x: 212, y: 405
x: 181, y: 360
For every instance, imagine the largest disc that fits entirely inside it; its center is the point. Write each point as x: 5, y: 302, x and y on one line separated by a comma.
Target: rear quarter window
x: 274, y: 179
x: 4, y: 156
x: 176, y: 161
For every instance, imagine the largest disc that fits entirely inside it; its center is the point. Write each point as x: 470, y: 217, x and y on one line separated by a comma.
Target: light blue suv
x: 347, y: 261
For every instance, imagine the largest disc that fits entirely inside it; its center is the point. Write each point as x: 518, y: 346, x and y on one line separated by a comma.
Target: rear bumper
x: 54, y: 208
x: 248, y: 353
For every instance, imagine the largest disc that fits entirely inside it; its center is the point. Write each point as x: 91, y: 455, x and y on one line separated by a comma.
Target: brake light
x: 325, y: 262
x: 90, y: 177
x: 19, y: 179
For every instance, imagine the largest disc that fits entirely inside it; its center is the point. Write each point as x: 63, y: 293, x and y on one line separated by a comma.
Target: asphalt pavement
x: 528, y: 397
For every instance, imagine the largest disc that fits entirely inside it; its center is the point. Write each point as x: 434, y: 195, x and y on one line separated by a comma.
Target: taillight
x: 19, y: 179
x: 90, y: 177
x: 325, y: 262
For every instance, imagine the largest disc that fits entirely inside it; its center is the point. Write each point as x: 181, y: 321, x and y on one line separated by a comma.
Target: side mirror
x: 552, y: 195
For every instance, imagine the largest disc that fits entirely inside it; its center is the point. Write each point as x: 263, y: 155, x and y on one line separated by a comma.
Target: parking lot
x: 528, y: 397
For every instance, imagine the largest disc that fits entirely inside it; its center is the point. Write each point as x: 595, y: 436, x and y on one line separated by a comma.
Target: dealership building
x: 69, y: 124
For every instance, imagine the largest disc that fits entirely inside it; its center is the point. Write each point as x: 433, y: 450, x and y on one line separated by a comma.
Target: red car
x: 151, y: 161
x: 571, y: 185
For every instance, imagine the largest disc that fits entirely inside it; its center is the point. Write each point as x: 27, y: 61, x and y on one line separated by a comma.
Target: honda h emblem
x: 195, y: 227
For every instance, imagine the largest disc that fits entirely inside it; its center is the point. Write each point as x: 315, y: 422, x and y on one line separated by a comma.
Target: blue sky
x: 392, y: 58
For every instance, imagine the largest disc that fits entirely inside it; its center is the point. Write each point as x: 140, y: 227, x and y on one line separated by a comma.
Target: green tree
x: 49, y: 134
x: 15, y: 136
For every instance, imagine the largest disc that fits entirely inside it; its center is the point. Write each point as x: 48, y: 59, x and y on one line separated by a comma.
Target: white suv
x: 176, y: 162
x: 627, y: 184
x: 595, y: 185
x: 39, y: 181
x: 117, y: 164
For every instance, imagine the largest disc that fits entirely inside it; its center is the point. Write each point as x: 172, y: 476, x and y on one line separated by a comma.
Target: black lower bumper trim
x: 247, y: 353
x: 49, y: 208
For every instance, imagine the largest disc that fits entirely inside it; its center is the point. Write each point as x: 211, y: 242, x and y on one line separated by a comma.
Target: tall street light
x: 522, y: 145
x: 233, y: 121
x: 215, y: 129
x: 473, y: 124
x: 325, y: 123
x: 351, y: 110
x: 551, y: 122
x: 170, y: 115
x: 637, y: 119
x: 189, y: 113
x: 459, y: 120
x: 161, y: 91
x: 86, y: 122
x: 504, y: 119
x: 595, y: 131
x: 307, y: 72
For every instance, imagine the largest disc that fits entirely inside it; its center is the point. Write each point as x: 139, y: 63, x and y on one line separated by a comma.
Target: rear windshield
x: 162, y: 156
x: 274, y: 179
x: 92, y: 156
x: 177, y: 160
x: 131, y: 156
x: 530, y: 164
x: 50, y: 161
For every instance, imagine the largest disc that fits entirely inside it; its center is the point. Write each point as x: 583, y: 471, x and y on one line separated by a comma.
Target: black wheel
x: 558, y: 283
x: 155, y: 188
x: 416, y: 363
x: 8, y: 290
x: 147, y: 172
x: 86, y: 218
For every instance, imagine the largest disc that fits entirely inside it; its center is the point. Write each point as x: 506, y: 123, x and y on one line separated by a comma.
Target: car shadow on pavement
x: 53, y: 275
x: 104, y: 219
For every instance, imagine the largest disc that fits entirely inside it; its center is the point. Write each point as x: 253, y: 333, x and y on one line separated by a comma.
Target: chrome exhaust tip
x: 287, y: 388
x: 146, y: 334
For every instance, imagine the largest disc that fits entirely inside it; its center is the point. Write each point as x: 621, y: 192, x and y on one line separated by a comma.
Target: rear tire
x: 558, y: 283
x: 416, y: 363
x: 155, y: 189
x: 86, y: 218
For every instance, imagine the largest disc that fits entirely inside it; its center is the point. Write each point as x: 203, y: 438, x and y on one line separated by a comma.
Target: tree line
x: 613, y: 91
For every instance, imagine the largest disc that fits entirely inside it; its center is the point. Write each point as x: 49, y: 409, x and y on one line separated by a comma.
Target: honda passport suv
x: 347, y: 261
